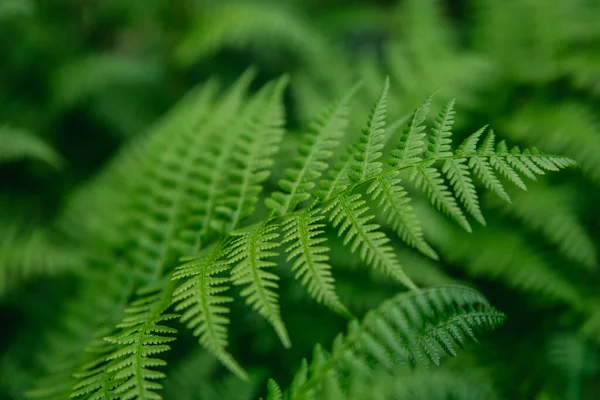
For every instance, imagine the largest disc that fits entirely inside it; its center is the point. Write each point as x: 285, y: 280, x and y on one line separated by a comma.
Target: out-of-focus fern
x: 411, y: 329
x: 18, y: 144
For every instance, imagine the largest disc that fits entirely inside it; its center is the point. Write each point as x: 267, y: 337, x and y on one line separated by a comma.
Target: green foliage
x: 198, y: 254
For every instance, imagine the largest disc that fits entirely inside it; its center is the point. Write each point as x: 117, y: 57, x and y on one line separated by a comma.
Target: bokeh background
x: 79, y: 78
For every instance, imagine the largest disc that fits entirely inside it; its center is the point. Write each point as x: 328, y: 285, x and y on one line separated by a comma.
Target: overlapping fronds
x: 317, y: 147
x: 128, y: 371
x: 99, y: 304
x: 252, y: 157
x: 429, y: 161
x: 410, y: 329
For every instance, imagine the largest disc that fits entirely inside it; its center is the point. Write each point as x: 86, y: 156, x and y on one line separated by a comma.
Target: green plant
x: 260, y: 191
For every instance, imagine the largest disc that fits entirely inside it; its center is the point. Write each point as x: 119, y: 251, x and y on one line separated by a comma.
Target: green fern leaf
x: 503, y: 166
x: 248, y: 253
x: 338, y: 177
x: 252, y: 157
x: 414, y: 327
x: 440, y: 139
x: 17, y: 144
x: 142, y: 336
x: 368, y: 149
x: 459, y: 177
x: 394, y: 205
x: 481, y: 165
x: 347, y: 213
x: 229, y: 119
x: 204, y: 308
x: 316, y: 148
x: 429, y: 180
x: 274, y: 391
x: 311, y: 264
x: 411, y: 146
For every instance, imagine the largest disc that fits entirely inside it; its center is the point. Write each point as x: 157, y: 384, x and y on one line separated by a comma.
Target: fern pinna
x: 204, y: 206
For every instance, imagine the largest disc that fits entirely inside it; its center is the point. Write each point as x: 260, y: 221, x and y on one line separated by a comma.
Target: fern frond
x: 550, y: 211
x: 317, y: 147
x: 93, y: 380
x: 411, y: 328
x: 338, y: 179
x: 141, y: 337
x: 204, y: 308
x: 252, y: 157
x: 248, y: 253
x: 430, y: 181
x: 18, y: 144
x: 412, y: 141
x: 485, y: 254
x: 160, y: 203
x: 440, y: 140
x: 99, y: 303
x: 241, y: 25
x: 394, y: 205
x: 346, y: 213
x: 274, y: 391
x: 229, y: 119
x: 480, y: 162
x: 310, y: 261
x: 368, y: 150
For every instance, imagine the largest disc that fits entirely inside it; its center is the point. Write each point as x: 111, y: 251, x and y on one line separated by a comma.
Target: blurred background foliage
x: 79, y: 78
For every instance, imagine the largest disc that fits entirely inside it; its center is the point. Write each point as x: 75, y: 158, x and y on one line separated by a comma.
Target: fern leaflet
x: 347, y: 214
x: 311, y: 264
x: 204, y: 308
x: 248, y: 253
